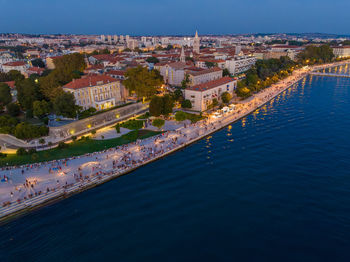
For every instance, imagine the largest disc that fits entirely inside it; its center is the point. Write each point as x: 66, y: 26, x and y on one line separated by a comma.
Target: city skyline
x: 231, y: 17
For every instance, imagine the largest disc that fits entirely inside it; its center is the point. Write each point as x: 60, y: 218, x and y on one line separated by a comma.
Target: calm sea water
x: 274, y: 187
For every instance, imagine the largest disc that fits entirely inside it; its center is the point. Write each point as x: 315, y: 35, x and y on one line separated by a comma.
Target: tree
x: 156, y: 106
x: 178, y: 96
x: 7, y: 124
x: 323, y: 53
x: 50, y: 86
x: 15, y: 75
x: 104, y: 51
x: 64, y: 105
x: 142, y: 82
x: 161, y: 105
x: 4, y: 77
x: 225, y: 72
x: 215, y: 102
x: 188, y: 58
x: 41, y: 108
x: 117, y: 127
x: 153, y: 60
x: 226, y: 97
x: 5, y: 94
x: 67, y: 68
x: 28, y: 131
x: 13, y: 109
x: 168, y: 105
x: 186, y: 104
x: 180, y: 116
x: 41, y: 141
x: 169, y: 47
x: 158, y: 123
x: 243, y: 92
x: 186, y: 81
x: 27, y: 92
x: 38, y: 62
x: 210, y: 64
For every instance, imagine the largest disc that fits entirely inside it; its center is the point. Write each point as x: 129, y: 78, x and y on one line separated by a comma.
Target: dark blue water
x: 274, y: 187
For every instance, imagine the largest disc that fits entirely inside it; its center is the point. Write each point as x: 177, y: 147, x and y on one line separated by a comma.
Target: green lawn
x: 193, y: 117
x: 132, y: 124
x: 76, y: 148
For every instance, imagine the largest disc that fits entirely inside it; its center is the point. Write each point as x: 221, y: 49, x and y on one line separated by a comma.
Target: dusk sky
x: 139, y: 17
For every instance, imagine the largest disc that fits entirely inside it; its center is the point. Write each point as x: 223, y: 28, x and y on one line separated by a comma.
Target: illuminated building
x: 98, y: 91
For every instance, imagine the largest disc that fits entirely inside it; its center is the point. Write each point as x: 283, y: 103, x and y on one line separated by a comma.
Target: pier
x: 329, y: 74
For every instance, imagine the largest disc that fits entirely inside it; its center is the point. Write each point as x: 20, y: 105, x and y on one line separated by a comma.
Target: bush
x: 86, y: 113
x: 180, y: 116
x: 132, y: 124
x: 226, y: 97
x: 74, y: 138
x: 21, y: 151
x: 193, y: 117
x: 28, y: 131
x: 158, y: 122
x: 186, y: 104
x: 117, y: 127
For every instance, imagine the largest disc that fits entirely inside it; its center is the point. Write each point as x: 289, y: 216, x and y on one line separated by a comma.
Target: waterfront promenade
x: 28, y: 186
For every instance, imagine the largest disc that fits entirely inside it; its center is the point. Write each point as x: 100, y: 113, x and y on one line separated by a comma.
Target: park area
x: 79, y: 147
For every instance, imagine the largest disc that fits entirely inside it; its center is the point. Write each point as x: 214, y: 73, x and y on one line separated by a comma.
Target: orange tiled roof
x: 205, y: 71
x: 89, y: 81
x: 11, y: 84
x: 16, y: 63
x: 211, y: 84
x: 116, y: 72
x: 37, y: 70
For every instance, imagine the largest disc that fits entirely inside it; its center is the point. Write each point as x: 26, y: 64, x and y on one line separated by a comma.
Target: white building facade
x: 206, y: 75
x: 240, y: 64
x: 99, y: 91
x: 202, y: 95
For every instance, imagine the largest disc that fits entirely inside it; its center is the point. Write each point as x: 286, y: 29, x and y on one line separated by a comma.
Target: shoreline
x: 18, y: 209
